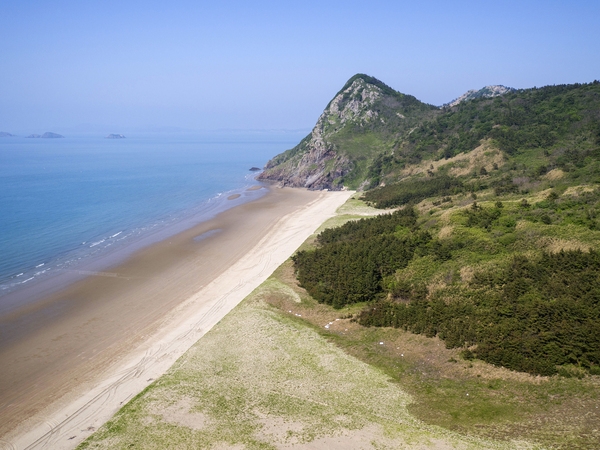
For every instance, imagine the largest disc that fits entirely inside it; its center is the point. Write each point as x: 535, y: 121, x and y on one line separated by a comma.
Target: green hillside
x: 370, y: 134
x: 557, y: 125
x: 495, y: 246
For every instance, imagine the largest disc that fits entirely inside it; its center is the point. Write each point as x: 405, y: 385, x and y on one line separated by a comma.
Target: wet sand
x: 77, y: 342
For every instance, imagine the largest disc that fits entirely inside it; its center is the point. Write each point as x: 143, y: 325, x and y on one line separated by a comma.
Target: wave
x: 99, y: 245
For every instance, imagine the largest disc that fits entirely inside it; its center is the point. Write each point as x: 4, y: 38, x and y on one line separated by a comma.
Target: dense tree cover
x: 533, y: 316
x: 536, y: 314
x: 528, y: 310
x: 413, y: 191
x: 351, y: 261
x: 523, y: 119
x: 364, y: 229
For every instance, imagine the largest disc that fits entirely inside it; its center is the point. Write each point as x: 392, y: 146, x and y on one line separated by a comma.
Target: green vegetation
x: 531, y: 299
x: 453, y: 387
x: 413, y: 190
x: 263, y: 378
x: 523, y: 119
x: 535, y: 316
x: 465, y: 395
x: 527, y: 308
x: 353, y: 259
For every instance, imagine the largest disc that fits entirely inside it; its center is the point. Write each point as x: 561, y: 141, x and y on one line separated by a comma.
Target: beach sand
x: 85, y: 351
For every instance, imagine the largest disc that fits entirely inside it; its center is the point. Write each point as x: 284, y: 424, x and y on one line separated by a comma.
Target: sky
x: 205, y: 65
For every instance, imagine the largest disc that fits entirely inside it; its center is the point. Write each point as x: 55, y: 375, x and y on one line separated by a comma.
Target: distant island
x: 254, y: 169
x: 46, y: 135
x: 115, y: 136
x: 5, y: 134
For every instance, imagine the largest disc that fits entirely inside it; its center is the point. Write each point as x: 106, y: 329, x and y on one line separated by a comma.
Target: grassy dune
x: 270, y: 375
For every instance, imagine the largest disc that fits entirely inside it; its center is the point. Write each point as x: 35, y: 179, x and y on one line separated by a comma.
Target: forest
x: 525, y: 308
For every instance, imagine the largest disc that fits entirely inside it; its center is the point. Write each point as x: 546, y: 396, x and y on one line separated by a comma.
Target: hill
x: 495, y: 247
x: 478, y: 293
x: 369, y: 134
x: 50, y: 135
x: 363, y: 120
x: 500, y: 201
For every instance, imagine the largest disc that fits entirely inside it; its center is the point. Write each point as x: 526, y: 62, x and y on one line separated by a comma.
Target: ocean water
x: 67, y: 201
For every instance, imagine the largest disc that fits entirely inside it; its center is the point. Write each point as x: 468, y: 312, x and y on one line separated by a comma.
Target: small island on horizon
x: 46, y: 135
x: 115, y: 136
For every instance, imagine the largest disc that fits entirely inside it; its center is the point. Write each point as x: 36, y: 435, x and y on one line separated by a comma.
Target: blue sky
x: 271, y: 64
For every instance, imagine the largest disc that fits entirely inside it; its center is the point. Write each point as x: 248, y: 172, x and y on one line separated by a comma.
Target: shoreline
x: 66, y: 269
x: 157, y: 304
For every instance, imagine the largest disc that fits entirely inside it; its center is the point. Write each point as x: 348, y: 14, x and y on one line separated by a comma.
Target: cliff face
x: 315, y: 163
x: 359, y: 122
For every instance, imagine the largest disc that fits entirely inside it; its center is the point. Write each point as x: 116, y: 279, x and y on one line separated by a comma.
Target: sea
x: 69, y: 205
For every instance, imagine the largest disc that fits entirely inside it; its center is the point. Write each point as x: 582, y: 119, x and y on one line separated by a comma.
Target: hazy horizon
x: 117, y: 67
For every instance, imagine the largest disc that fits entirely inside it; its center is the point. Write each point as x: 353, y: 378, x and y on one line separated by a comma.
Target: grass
x: 469, y: 397
x: 268, y: 377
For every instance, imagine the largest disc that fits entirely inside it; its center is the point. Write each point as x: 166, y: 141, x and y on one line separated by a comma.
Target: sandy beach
x: 88, y: 349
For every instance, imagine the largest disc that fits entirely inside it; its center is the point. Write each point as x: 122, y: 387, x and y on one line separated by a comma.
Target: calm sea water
x: 64, y: 201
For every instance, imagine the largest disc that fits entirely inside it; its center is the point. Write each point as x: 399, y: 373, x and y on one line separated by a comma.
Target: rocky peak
x: 364, y: 110
x: 486, y: 92
x: 353, y: 104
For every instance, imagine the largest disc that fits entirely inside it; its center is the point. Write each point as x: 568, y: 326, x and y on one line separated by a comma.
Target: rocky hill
x: 370, y: 135
x: 362, y: 120
x: 50, y: 135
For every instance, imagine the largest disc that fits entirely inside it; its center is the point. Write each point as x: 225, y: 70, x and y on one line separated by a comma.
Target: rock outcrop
x: 486, y: 92
x: 358, y: 123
